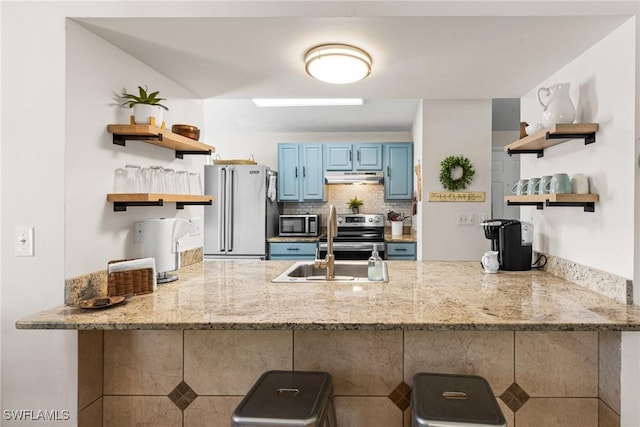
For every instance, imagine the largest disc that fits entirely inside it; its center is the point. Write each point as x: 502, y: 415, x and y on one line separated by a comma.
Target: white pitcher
x: 558, y: 108
x: 490, y: 262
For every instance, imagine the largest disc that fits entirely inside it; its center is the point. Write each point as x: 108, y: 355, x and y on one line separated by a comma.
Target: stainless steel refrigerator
x: 242, y: 216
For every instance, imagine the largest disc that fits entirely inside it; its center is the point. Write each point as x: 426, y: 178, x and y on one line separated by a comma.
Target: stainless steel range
x: 358, y: 235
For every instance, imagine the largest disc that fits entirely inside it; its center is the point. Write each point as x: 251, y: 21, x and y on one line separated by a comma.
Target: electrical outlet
x: 138, y: 233
x: 482, y: 217
x: 464, y: 219
x: 23, y: 241
x: 196, y: 226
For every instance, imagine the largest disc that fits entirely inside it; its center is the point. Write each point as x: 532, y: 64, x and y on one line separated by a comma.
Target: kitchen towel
x: 271, y: 191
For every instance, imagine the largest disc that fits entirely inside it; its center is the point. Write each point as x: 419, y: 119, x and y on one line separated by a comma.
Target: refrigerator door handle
x: 221, y: 209
x: 230, y: 204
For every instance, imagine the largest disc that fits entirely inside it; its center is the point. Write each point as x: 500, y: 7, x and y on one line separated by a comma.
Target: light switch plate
x: 138, y: 233
x: 196, y: 226
x: 24, y: 241
x: 464, y: 219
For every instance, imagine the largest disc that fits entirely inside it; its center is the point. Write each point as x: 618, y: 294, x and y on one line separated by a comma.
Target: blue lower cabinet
x: 401, y: 251
x: 294, y: 251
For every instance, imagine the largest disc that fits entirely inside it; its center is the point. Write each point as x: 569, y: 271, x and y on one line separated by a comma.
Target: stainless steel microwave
x: 300, y: 225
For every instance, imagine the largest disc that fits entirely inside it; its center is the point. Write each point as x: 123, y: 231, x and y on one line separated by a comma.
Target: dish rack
x: 130, y: 282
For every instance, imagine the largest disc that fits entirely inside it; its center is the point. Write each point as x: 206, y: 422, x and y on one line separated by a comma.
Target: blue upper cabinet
x: 300, y: 172
x: 353, y: 157
x: 312, y: 172
x: 339, y: 157
x: 368, y: 157
x: 398, y: 171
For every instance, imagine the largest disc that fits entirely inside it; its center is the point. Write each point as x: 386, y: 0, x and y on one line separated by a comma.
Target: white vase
x: 142, y: 114
x: 396, y: 228
x: 558, y: 108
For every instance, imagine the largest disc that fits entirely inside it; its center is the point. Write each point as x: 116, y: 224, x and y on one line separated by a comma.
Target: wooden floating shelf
x: 587, y: 201
x: 160, y: 137
x: 554, y: 135
x: 122, y: 200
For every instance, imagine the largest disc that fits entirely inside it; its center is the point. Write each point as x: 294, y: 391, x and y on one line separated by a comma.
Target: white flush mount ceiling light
x: 337, y: 63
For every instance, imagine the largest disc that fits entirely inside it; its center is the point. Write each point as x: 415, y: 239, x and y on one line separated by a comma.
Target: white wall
x: 603, y: 85
x: 263, y: 145
x: 38, y: 366
x: 604, y: 91
x: 97, y: 70
x: 455, y: 127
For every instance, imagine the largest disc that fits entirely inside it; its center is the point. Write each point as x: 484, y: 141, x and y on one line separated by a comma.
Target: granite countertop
x: 388, y: 237
x: 419, y: 295
x: 294, y: 239
x: 405, y: 238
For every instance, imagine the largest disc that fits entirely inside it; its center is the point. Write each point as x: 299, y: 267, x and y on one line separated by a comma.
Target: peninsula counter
x: 187, y: 353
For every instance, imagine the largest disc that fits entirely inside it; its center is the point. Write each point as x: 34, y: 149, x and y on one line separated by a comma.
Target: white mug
x: 579, y: 184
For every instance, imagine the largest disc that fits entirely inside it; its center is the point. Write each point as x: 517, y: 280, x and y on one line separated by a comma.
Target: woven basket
x: 130, y: 282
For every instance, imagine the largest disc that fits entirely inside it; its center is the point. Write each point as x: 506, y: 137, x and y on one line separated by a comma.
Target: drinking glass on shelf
x: 120, y: 181
x: 156, y: 184
x: 146, y: 180
x: 195, y: 184
x: 133, y: 179
x: 182, y: 182
x: 169, y: 180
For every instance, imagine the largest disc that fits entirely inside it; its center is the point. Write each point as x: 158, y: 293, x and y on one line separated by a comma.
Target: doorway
x: 505, y: 172
x: 505, y: 169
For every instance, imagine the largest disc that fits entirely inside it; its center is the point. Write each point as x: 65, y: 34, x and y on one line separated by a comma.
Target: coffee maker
x: 513, y: 240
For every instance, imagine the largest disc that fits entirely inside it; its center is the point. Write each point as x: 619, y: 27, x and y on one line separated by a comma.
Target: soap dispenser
x: 374, y: 270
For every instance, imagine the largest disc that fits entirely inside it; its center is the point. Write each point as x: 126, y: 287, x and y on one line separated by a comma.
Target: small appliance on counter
x: 300, y: 225
x: 160, y: 241
x: 513, y: 240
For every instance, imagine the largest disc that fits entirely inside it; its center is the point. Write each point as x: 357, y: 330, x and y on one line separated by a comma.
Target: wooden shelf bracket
x: 589, y: 137
x: 122, y: 206
x: 539, y: 153
x: 588, y: 206
x: 180, y: 153
x: 121, y: 139
x: 181, y: 205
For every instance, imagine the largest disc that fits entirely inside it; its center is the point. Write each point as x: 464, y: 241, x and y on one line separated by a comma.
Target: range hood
x: 353, y: 177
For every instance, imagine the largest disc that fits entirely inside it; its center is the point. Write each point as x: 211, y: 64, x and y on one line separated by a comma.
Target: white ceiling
x: 230, y: 60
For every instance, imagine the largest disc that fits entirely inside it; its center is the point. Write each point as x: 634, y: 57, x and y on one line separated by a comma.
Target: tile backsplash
x: 339, y: 195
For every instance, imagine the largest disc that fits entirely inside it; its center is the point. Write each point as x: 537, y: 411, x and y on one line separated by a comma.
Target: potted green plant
x: 354, y: 204
x: 396, y: 219
x: 145, y: 105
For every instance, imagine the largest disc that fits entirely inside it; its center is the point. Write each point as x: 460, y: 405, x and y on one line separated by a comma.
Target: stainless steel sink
x: 346, y: 271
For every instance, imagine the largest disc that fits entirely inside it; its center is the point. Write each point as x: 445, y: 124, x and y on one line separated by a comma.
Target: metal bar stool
x: 287, y: 398
x: 455, y: 401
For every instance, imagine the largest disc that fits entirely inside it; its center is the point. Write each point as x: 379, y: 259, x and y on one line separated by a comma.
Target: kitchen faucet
x: 329, y: 260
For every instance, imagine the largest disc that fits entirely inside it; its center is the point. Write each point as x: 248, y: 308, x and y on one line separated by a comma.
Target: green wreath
x: 448, y: 165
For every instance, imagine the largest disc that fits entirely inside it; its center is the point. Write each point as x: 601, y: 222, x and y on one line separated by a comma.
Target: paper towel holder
x: 160, y: 241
